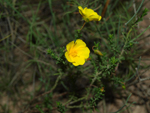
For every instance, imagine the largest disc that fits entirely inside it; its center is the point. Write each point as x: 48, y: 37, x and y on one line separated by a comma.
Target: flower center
x: 73, y: 53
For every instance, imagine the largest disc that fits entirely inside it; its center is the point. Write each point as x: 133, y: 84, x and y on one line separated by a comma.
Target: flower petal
x: 75, y: 64
x: 95, y: 17
x: 81, y: 11
x: 68, y: 57
x: 79, y: 60
x: 70, y: 45
x: 88, y: 11
x: 79, y: 43
x: 84, y: 52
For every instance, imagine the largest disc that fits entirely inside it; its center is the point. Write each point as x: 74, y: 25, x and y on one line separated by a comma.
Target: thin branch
x: 58, y: 78
x: 83, y: 26
x: 56, y: 82
x: 134, y: 7
x: 105, y: 8
x: 135, y: 13
x: 137, y: 81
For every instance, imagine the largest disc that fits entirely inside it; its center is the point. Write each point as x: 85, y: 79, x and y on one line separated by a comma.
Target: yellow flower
x: 89, y: 14
x: 77, y: 52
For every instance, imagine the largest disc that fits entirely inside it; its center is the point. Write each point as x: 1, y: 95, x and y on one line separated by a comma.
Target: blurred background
x: 29, y: 28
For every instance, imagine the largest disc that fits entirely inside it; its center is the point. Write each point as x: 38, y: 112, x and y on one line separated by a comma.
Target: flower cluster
x: 77, y: 52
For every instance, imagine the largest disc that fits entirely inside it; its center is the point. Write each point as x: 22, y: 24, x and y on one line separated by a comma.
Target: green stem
x: 83, y: 26
x: 80, y: 106
x: 78, y: 100
x: 135, y: 13
x: 58, y: 78
x: 126, y: 40
x: 86, y: 97
x: 94, y: 79
x: 141, y: 33
x: 124, y: 104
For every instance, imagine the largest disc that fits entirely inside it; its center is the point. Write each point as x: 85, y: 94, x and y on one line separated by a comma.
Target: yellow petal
x: 70, y: 45
x: 95, y: 17
x: 75, y: 64
x: 79, y: 60
x: 88, y: 11
x: 99, y: 18
x: 84, y: 52
x: 68, y: 57
x: 79, y: 43
x: 81, y: 10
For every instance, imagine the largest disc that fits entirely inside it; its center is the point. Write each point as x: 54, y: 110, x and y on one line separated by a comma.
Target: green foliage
x: 59, y: 58
x: 78, y: 34
x: 114, y: 47
x: 60, y: 107
x: 38, y: 107
x: 98, y: 94
x: 144, y: 13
